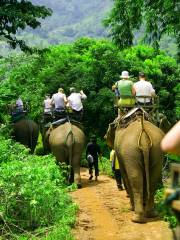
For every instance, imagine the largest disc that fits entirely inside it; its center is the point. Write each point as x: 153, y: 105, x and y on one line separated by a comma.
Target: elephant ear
x: 164, y: 124
x: 110, y: 135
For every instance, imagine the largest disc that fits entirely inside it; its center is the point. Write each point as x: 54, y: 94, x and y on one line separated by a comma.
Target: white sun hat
x: 124, y: 74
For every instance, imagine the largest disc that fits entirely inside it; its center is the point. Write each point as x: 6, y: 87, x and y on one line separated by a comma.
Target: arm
x: 171, y: 141
x: 65, y: 99
x: 133, y: 91
x: 83, y: 96
x: 52, y: 101
x: 152, y: 90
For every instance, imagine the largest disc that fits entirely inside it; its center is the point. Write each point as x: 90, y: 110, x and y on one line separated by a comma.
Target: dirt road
x: 104, y: 214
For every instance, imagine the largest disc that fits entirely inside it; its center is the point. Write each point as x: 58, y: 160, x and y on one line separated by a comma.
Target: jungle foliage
x: 16, y: 15
x: 91, y: 65
x: 128, y: 16
x: 73, y: 19
x: 33, y: 201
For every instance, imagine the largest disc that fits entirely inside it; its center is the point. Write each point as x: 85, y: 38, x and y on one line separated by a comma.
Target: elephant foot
x: 131, y: 208
x: 79, y: 185
x: 139, y: 218
x: 151, y: 214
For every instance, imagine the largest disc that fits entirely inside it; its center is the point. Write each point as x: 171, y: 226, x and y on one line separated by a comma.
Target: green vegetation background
x: 37, y: 205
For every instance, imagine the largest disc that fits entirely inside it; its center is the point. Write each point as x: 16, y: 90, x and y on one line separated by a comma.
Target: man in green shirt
x: 126, y: 90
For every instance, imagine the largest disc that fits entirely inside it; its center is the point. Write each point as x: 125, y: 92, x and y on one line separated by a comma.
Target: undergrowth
x: 34, y: 203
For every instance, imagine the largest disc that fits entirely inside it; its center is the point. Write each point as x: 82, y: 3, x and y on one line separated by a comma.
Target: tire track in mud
x: 104, y: 214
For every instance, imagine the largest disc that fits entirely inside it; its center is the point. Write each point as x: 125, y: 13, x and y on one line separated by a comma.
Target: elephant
x: 66, y: 142
x: 26, y: 131
x: 137, y: 146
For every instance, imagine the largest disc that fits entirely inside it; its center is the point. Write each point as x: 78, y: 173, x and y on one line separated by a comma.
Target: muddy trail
x: 104, y: 214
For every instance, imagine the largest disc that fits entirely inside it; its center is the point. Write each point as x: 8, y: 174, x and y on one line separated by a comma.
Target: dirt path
x: 104, y: 214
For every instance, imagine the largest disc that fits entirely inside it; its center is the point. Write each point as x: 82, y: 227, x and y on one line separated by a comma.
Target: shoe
x: 90, y: 178
x: 120, y: 188
x: 96, y: 178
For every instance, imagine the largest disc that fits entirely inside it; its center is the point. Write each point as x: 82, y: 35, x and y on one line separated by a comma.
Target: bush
x: 92, y: 65
x: 164, y: 211
x: 33, y: 193
x: 105, y: 166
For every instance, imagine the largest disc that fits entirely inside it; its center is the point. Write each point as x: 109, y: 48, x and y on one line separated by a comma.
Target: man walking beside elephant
x: 94, y: 150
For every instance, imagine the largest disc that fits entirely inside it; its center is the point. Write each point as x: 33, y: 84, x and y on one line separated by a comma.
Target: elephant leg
x: 150, y: 212
x: 71, y: 176
x: 155, y: 179
x: 136, y: 182
x: 76, y: 168
x: 127, y: 185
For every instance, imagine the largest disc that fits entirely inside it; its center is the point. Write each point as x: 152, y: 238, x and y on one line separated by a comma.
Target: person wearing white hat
x: 126, y: 90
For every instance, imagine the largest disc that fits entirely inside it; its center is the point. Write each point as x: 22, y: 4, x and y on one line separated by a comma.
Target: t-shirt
x: 113, y: 157
x: 75, y: 101
x: 58, y: 100
x: 93, y: 149
x: 125, y: 88
x: 19, y: 104
x: 47, y: 105
x: 143, y: 88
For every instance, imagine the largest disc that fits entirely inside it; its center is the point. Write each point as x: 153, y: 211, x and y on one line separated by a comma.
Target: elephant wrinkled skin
x: 140, y: 157
x: 26, y: 131
x: 66, y: 142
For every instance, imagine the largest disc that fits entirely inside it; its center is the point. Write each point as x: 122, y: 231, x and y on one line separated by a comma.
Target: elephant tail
x: 70, y: 135
x: 145, y: 150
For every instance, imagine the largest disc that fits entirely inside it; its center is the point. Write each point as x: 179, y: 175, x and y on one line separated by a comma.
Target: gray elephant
x: 140, y: 157
x: 26, y: 131
x: 66, y: 142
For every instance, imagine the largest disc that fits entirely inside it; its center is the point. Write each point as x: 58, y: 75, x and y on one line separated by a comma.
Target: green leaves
x: 91, y: 65
x: 127, y: 16
x: 15, y: 15
x: 33, y: 193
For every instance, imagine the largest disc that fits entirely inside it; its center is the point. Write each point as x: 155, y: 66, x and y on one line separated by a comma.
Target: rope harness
x: 70, y: 133
x: 140, y: 135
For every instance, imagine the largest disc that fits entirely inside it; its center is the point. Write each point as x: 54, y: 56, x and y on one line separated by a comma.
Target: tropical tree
x: 16, y: 15
x: 91, y: 65
x: 159, y: 17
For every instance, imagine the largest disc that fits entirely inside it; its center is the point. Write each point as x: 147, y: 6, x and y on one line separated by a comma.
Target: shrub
x: 33, y: 193
x: 164, y: 211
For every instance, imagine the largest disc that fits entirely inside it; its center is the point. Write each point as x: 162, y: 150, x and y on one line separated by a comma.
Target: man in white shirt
x: 19, y: 105
x: 59, y: 100
x: 47, y: 109
x: 47, y: 105
x: 143, y: 88
x: 75, y: 101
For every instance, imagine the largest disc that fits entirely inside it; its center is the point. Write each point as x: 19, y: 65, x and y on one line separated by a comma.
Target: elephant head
x: 164, y: 124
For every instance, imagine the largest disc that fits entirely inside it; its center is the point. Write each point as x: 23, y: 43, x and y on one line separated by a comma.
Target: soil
x: 104, y: 214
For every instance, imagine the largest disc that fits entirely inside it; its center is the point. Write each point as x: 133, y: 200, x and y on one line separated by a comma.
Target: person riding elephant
x: 59, y: 102
x: 137, y: 146
x: 26, y: 131
x: 66, y: 142
x: 126, y: 91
